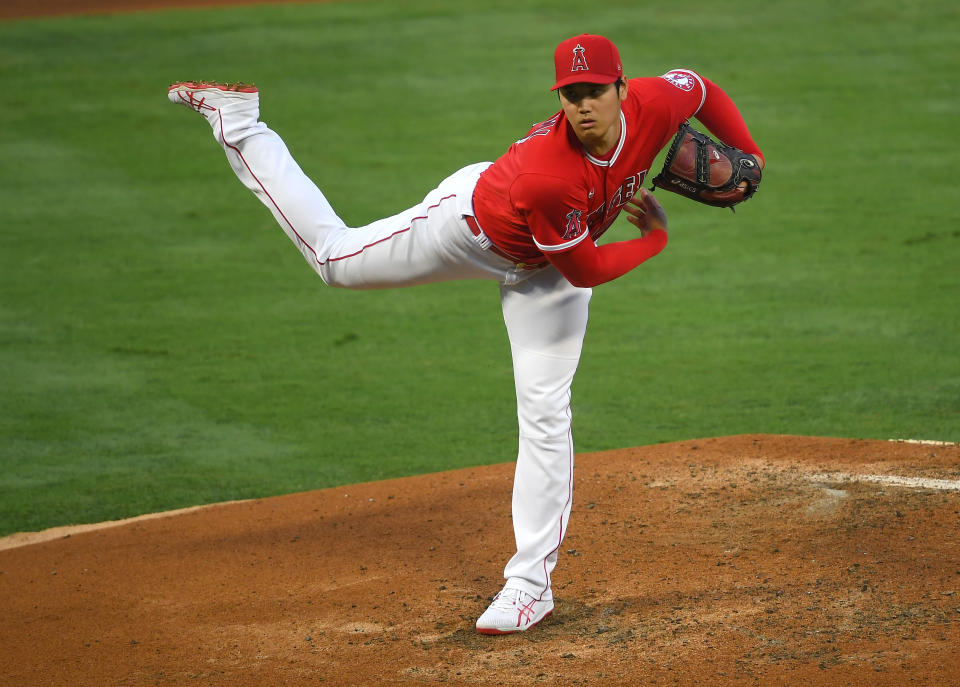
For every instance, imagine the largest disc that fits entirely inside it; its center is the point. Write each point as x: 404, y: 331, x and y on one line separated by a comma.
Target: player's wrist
x: 657, y: 236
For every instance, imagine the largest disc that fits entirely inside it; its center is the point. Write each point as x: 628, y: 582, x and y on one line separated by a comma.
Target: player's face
x: 593, y: 111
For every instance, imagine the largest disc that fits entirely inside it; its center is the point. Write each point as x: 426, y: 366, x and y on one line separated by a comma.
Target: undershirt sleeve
x: 721, y: 116
x: 591, y: 265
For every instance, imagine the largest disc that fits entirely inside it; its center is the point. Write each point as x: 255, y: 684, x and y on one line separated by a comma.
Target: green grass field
x: 163, y: 345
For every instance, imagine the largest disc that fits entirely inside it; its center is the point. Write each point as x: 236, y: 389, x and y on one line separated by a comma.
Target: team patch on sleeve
x: 681, y: 79
x: 573, y: 232
x: 686, y: 81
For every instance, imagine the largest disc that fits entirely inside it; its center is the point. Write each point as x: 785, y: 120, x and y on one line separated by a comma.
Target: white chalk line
x: 924, y: 442
x: 890, y: 480
x: 895, y: 480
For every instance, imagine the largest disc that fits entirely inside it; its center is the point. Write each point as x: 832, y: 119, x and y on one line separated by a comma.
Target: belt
x: 492, y: 247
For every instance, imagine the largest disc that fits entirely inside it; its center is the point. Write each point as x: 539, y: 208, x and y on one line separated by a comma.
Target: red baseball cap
x: 586, y: 59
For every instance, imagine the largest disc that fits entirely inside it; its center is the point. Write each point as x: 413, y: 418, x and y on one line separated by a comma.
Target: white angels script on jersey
x: 608, y: 211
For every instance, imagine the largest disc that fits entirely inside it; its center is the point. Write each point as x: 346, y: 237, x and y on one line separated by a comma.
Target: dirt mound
x: 740, y: 560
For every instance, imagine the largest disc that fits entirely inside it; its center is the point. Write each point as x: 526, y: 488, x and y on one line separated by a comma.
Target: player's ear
x: 623, y: 89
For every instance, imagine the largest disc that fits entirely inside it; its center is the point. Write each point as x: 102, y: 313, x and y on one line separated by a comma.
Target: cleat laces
x: 507, y: 601
x: 191, y: 100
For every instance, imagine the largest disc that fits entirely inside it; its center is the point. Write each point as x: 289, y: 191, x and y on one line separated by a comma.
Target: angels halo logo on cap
x: 586, y: 59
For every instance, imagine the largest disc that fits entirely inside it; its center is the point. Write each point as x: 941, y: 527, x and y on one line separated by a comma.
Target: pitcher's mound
x: 754, y: 560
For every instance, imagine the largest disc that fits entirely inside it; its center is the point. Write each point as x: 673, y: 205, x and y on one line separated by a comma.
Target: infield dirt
x: 721, y: 561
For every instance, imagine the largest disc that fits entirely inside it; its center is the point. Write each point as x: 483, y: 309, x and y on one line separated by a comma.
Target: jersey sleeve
x: 554, y: 210
x: 685, y: 90
x: 666, y: 101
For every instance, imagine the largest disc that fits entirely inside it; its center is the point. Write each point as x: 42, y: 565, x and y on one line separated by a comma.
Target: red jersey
x: 546, y: 194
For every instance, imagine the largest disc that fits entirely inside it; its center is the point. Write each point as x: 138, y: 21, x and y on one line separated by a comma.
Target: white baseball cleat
x: 207, y: 96
x: 232, y: 109
x: 512, y: 611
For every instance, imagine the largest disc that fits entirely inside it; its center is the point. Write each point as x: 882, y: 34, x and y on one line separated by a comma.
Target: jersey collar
x: 616, y: 150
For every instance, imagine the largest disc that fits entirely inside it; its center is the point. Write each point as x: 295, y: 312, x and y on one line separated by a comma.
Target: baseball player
x: 529, y: 221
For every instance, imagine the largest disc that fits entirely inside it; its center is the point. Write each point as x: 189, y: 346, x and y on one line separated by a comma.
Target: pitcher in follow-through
x: 529, y: 221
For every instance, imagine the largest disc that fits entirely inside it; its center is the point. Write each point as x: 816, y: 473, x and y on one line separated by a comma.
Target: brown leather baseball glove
x: 707, y: 171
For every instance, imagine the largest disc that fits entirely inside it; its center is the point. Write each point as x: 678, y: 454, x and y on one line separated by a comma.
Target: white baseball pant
x: 545, y: 316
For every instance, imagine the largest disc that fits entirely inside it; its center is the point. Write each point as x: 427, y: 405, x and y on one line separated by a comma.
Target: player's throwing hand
x: 646, y: 213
